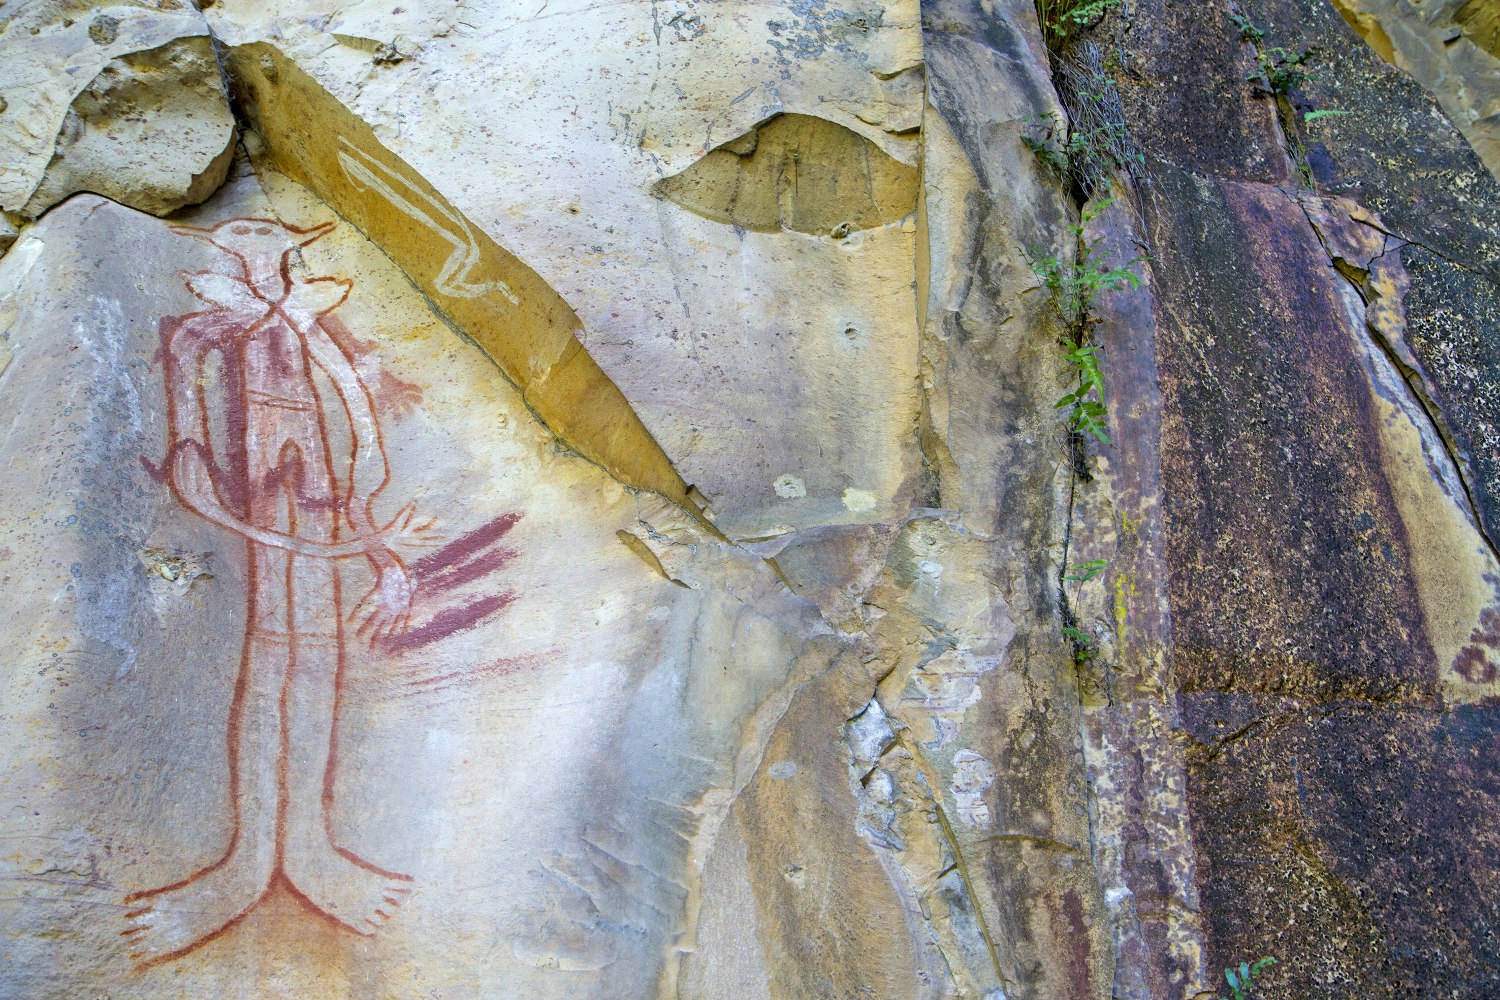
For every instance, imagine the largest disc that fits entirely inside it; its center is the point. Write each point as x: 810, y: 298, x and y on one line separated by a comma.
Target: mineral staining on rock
x: 577, y: 510
x: 800, y: 173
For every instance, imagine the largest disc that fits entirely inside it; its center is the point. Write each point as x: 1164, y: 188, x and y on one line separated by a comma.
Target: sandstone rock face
x: 124, y: 100
x: 571, y: 502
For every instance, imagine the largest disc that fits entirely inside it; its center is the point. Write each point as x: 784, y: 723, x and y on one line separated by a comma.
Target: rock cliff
x: 937, y: 499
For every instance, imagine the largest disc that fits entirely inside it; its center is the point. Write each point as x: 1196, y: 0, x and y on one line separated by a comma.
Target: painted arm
x: 190, y: 461
x: 192, y: 481
x: 386, y: 610
x: 369, y: 473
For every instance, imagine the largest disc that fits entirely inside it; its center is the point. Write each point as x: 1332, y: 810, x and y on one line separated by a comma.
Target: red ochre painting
x: 274, y: 435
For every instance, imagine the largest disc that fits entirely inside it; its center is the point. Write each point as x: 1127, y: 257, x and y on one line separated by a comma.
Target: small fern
x: 1313, y: 116
x: 1079, y: 638
x: 1240, y: 980
x: 1059, y: 18
x: 1066, y: 149
x: 1086, y: 571
x: 1278, y: 70
x: 1089, y: 414
x: 1073, y: 287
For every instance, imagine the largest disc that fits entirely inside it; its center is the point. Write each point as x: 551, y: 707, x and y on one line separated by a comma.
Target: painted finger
x: 371, y: 621
x: 382, y: 631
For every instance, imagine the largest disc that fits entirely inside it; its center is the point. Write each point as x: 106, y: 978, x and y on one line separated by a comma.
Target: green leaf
x: 1313, y: 116
x: 1086, y: 571
x: 1262, y: 963
x: 1082, y: 638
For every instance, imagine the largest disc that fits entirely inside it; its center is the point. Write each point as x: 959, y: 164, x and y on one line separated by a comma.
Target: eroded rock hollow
x: 937, y: 499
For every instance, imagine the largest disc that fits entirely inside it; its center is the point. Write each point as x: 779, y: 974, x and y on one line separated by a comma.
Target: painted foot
x: 167, y: 923
x: 353, y: 893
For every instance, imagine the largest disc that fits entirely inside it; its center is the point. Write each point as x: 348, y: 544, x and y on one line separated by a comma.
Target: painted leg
x: 345, y: 887
x: 166, y: 923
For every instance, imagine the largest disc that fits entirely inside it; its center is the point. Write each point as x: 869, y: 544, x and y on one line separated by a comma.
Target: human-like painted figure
x: 273, y: 435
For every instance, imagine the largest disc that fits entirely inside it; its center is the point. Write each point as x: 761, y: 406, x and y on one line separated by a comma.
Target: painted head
x: 257, y: 242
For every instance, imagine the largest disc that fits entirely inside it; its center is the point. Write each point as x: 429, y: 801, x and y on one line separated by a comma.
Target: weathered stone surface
x: 657, y: 288
x: 797, y: 172
x: 1452, y: 49
x: 1389, y: 151
x: 148, y: 615
x: 1198, y: 86
x: 1324, y: 518
x: 123, y: 100
x: 580, y: 510
x: 1351, y: 831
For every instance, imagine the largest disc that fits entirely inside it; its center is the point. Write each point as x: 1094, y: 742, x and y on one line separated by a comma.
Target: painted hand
x: 385, y: 611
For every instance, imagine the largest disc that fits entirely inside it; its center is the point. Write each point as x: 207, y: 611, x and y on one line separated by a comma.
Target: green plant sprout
x: 1278, y: 69
x: 1060, y: 17
x: 1278, y: 72
x: 1063, y: 148
x: 1240, y: 980
x: 1313, y: 116
x: 1249, y: 32
x: 1078, y: 574
x: 1043, y: 139
x: 1073, y: 287
x: 1084, y: 572
x: 1089, y: 415
x: 1081, y: 640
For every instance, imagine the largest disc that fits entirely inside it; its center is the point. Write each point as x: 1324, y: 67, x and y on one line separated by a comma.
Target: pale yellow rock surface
x: 714, y: 333
x: 483, y: 767
x: 568, y: 186
x: 729, y: 285
x: 124, y: 100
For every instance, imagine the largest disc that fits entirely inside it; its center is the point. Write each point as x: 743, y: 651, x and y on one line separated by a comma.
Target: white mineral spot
x: 859, y: 501
x: 782, y: 769
x: 789, y: 487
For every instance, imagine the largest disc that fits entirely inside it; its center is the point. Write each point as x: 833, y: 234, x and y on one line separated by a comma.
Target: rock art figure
x: 274, y: 436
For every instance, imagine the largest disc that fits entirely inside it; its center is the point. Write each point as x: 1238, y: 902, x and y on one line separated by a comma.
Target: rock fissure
x: 1407, y: 373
